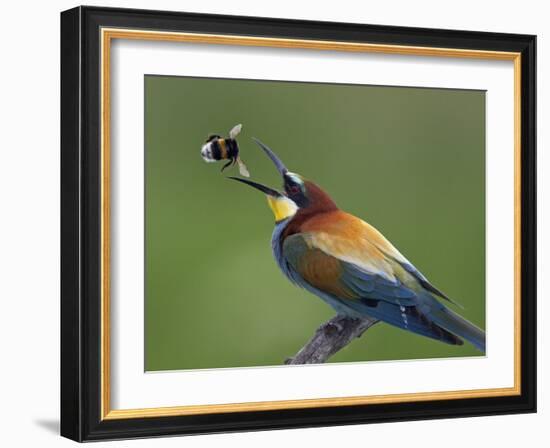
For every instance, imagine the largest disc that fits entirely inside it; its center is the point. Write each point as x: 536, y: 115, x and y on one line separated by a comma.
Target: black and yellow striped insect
x: 218, y: 148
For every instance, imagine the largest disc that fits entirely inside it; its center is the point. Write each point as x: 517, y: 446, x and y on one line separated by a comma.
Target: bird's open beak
x: 278, y: 164
x: 262, y: 188
x: 282, y: 206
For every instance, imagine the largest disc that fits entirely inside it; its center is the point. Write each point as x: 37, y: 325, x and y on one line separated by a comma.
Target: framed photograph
x: 272, y: 223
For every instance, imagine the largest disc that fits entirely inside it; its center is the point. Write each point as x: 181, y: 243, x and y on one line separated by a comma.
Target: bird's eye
x: 294, y: 189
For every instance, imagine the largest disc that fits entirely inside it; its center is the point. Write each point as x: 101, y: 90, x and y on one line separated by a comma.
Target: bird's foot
x: 331, y: 327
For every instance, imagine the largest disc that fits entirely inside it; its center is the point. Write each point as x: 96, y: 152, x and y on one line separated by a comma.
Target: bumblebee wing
x: 242, y: 168
x: 235, y: 131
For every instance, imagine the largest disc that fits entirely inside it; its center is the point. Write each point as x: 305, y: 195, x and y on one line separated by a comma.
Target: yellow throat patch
x: 282, y: 207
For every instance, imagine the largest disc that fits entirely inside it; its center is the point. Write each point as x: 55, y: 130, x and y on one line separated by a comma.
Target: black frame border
x: 81, y: 224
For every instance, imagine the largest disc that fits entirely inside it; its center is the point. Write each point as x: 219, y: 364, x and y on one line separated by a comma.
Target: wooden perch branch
x: 331, y: 337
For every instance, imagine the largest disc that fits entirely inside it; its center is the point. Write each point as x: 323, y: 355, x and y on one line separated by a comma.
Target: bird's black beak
x: 262, y: 188
x: 278, y: 164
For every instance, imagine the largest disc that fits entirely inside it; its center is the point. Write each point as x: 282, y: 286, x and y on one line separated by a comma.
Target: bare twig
x: 331, y: 337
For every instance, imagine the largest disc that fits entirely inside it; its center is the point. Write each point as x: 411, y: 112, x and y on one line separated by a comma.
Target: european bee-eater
x: 351, y: 265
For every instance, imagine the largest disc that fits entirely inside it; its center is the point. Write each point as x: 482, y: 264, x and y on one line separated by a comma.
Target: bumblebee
x: 218, y: 148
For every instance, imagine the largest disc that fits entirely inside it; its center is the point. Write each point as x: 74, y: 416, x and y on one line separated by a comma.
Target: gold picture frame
x: 108, y: 30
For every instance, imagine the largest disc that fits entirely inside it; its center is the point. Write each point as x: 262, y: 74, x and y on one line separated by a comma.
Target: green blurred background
x: 410, y: 161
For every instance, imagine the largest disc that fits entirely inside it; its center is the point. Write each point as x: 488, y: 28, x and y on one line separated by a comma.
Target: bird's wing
x: 373, y: 284
x: 424, y: 281
x: 344, y: 275
x: 352, y: 239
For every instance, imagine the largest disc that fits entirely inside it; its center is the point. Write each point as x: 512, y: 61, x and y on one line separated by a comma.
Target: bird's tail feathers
x: 408, y: 318
x: 454, y: 323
